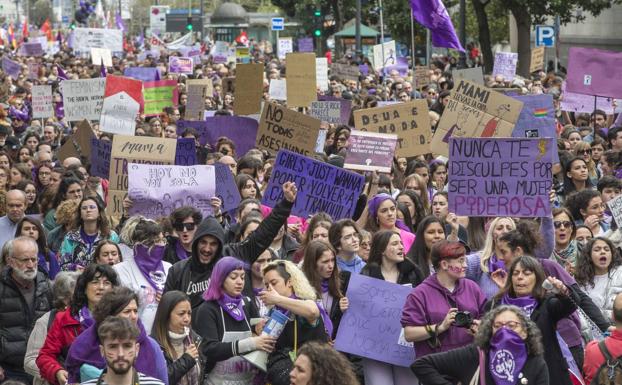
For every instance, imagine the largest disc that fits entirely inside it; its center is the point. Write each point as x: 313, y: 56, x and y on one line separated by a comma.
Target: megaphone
x: 257, y: 358
x: 273, y: 327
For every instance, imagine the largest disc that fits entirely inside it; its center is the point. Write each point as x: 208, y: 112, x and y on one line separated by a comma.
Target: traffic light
x: 318, y: 23
x: 189, y: 24
x: 318, y: 13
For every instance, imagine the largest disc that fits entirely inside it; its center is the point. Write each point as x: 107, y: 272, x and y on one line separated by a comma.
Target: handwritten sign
x: 346, y: 106
x: 285, y: 45
x: 321, y: 187
x: 475, y: 111
x: 240, y: 129
x: 505, y: 65
x: 122, y: 98
x: 422, y: 76
x: 371, y: 327
x: 321, y: 73
x: 42, y: 104
x: 33, y: 71
x: 180, y: 65
x: 12, y: 68
x: 301, y: 81
x: 410, y: 121
x: 100, y: 157
x: 158, y: 95
x: 537, y: 59
x: 197, y: 90
x: 329, y: 112
x: 83, y: 99
x: 99, y: 55
x: 186, y: 153
x: 278, y: 89
x: 345, y: 71
x: 248, y: 97
x: 226, y: 189
x: 281, y: 128
x: 615, y: 206
x: 500, y: 177
x: 370, y: 151
x: 385, y: 54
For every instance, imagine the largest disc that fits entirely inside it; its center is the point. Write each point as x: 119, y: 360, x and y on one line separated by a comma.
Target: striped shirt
x: 142, y: 380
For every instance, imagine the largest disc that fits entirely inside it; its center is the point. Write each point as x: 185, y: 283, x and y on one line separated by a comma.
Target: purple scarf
x: 328, y: 324
x: 149, y: 262
x: 495, y: 264
x: 85, y: 318
x: 234, y: 306
x: 506, y: 357
x: 180, y: 251
x: 324, y: 285
x: 528, y: 303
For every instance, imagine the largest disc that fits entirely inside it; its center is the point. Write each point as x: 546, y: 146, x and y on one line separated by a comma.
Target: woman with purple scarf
x: 146, y: 272
x: 507, y: 351
x: 382, y: 215
x: 223, y: 321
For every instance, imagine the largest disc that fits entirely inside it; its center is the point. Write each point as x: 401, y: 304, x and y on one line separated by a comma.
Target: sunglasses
x: 184, y: 226
x: 586, y: 151
x: 566, y: 224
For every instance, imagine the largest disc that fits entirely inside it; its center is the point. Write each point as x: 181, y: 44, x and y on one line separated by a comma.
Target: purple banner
x: 185, y: 153
x: 371, y: 327
x: 32, y: 49
x: 321, y: 187
x: 100, y: 157
x: 346, y: 106
x: 226, y: 189
x: 12, y: 68
x: 594, y: 71
x: 494, y: 177
x: 305, y: 44
x: 574, y: 102
x: 241, y: 130
x: 146, y: 74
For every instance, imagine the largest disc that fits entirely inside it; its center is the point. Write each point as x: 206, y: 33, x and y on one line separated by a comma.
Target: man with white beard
x: 25, y: 295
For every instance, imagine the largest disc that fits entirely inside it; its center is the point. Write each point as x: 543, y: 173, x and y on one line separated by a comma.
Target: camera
x: 463, y: 319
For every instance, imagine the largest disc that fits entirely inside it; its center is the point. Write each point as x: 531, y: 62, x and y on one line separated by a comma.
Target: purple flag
x: 119, y: 21
x: 59, y: 38
x: 433, y: 15
x: 594, y: 71
x: 102, y: 69
x: 61, y: 73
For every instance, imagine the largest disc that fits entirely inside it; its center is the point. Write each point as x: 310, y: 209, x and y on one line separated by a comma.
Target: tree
x: 530, y: 12
x: 40, y: 11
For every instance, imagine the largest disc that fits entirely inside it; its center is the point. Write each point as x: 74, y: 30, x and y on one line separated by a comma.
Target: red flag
x: 242, y: 38
x: 25, y: 29
x: 46, y: 29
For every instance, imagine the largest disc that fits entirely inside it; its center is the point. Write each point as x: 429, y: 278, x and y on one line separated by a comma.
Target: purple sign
x: 321, y: 186
x: 305, y: 44
x: 500, y: 177
x: 32, y: 49
x: 12, y: 68
x: 180, y: 65
x: 594, y: 71
x: 574, y: 102
x: 370, y: 151
x: 241, y: 130
x: 100, y: 157
x: 371, y: 327
x: 146, y: 74
x: 536, y: 119
x: 226, y: 189
x: 185, y: 153
x: 346, y: 106
x: 364, y: 68
x: 401, y: 66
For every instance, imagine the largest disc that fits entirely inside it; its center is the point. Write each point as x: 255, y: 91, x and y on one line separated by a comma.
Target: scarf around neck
x: 567, y: 255
x: 527, y: 303
x: 234, y: 306
x: 149, y: 262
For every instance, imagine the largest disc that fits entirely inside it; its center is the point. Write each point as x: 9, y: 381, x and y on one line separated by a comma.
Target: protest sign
x: 371, y: 327
x: 226, y: 189
x: 505, y: 65
x: 241, y: 130
x: 12, y: 68
x: 537, y: 59
x: 422, y: 76
x: 157, y: 190
x: 159, y: 94
x: 410, y: 121
x: 278, y: 89
x: 329, y: 112
x: 321, y: 186
x: 143, y: 55
x: 370, y: 151
x: 280, y: 128
x: 99, y: 55
x: 180, y: 65
x: 537, y: 118
x: 32, y: 49
x: 321, y: 140
x: 345, y: 71
x: 100, y: 157
x: 615, y: 206
x: 285, y: 45
x: 135, y: 149
x: 301, y: 83
x: 186, y: 153
x: 243, y: 54
x: 305, y: 44
x: 86, y: 38
x: 42, y: 104
x: 500, y: 177
x: 83, y: 99
x: 346, y: 106
x: 121, y: 105
x: 475, y: 111
x: 146, y: 74
x: 574, y: 102
x: 79, y: 143
x: 220, y: 52
x: 385, y: 54
x: 248, y: 97
x: 401, y: 66
x: 364, y: 69
x: 594, y: 71
x: 474, y: 75
x: 321, y: 73
x: 197, y: 90
x: 33, y: 71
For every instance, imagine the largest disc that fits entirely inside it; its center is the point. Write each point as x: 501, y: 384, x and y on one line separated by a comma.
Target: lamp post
x: 462, y: 60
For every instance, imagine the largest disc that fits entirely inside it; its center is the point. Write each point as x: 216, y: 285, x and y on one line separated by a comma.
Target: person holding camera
x: 443, y: 312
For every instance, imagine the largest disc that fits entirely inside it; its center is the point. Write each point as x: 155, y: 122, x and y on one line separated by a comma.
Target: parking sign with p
x: 545, y: 36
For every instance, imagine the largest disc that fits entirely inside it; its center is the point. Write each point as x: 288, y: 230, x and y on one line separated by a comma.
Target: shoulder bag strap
x: 605, y: 351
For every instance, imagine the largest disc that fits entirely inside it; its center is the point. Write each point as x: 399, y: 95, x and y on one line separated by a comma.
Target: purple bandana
x: 495, y: 264
x: 376, y: 201
x: 149, y: 262
x: 324, y: 285
x: 528, y: 303
x: 506, y: 357
x: 328, y: 324
x: 85, y: 317
x: 180, y: 251
x: 233, y: 306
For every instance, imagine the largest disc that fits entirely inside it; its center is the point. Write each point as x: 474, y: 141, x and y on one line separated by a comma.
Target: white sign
x: 157, y: 18
x: 285, y: 46
x: 278, y: 89
x: 386, y: 58
x: 101, y: 54
x: 615, y: 205
x: 87, y: 38
x: 329, y: 112
x: 278, y: 23
x: 42, y: 104
x: 119, y: 114
x: 83, y: 99
x: 321, y: 73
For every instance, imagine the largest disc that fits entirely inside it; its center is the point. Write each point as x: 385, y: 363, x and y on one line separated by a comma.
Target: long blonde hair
x: 489, y: 245
x: 591, y: 166
x: 289, y: 271
x: 423, y: 189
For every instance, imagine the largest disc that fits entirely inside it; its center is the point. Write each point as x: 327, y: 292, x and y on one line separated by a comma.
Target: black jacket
x: 180, y: 367
x: 460, y: 365
x: 17, y: 320
x: 409, y: 273
x: 192, y: 277
x: 170, y: 252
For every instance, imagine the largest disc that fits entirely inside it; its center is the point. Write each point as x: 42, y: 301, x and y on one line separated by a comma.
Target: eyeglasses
x: 586, y: 151
x: 559, y: 224
x: 513, y: 325
x: 184, y: 226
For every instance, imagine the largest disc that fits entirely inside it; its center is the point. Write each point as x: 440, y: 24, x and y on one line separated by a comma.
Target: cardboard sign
x: 135, y: 149
x: 79, y: 144
x: 180, y: 65
x: 305, y: 44
x: 329, y: 112
x: 474, y: 75
x: 146, y: 74
x: 100, y: 158
x: 321, y: 187
x: 248, y: 98
x: 42, y: 103
x: 278, y: 89
x: 346, y: 106
x: 387, y: 57
x: 321, y: 73
x: 186, y: 153
x: 99, y: 55
x: 615, y: 206
x: 574, y: 102
x: 371, y: 327
x: 241, y: 130
x: 159, y: 94
x: 285, y: 45
x: 410, y: 121
x: 370, y: 151
x: 499, y: 177
x: 12, y: 68
x: 505, y: 65
x: 594, y: 71
x: 345, y: 71
x: 121, y: 105
x: 475, y: 111
x: 86, y: 38
x: 537, y: 59
x: 83, y: 99
x: 301, y: 83
x: 226, y: 189
x: 422, y: 76
x: 197, y: 90
x: 280, y: 128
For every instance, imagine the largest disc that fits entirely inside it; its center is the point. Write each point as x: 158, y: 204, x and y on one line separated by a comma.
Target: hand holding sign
x: 290, y: 191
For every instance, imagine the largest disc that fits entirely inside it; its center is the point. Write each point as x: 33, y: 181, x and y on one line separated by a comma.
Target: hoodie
x: 429, y: 303
x: 192, y: 277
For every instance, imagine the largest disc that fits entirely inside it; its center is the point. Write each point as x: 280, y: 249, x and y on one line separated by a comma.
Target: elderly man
x: 15, y: 208
x: 25, y: 295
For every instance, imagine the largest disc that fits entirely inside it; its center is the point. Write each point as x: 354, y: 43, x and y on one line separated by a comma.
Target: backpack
x: 610, y: 372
